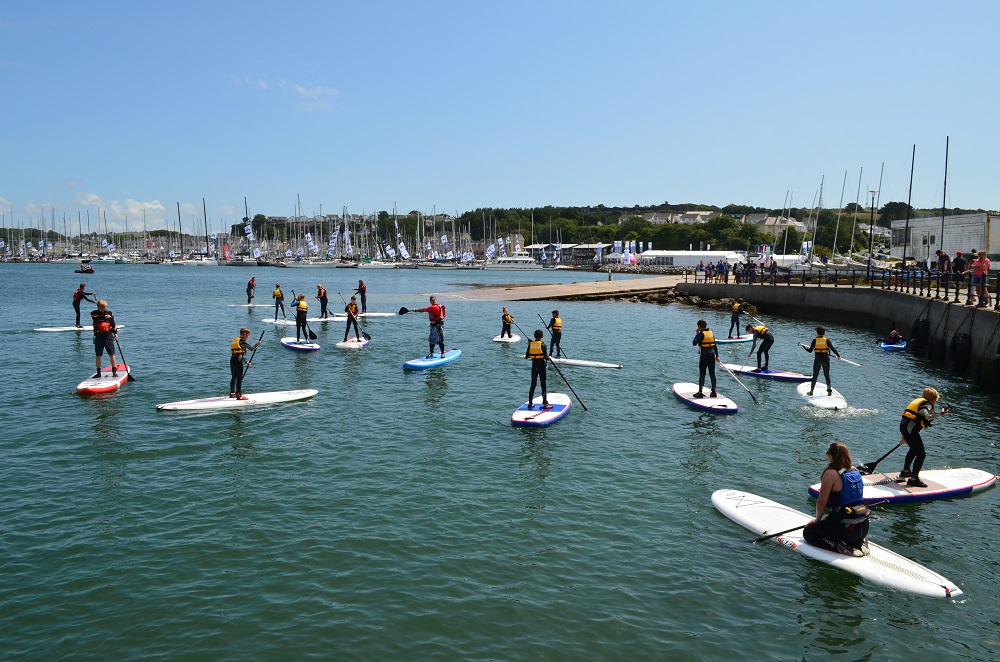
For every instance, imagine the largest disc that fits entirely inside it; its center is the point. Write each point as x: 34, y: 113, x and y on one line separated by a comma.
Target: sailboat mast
x: 909, y: 197
x: 944, y: 195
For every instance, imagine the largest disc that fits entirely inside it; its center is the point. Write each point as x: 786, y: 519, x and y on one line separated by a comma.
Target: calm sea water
x: 399, y: 516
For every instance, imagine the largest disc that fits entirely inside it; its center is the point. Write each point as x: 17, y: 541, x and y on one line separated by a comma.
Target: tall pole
x: 944, y: 195
x: 871, y: 238
x: 906, y: 227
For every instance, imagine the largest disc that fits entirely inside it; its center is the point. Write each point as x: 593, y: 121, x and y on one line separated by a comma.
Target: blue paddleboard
x: 894, y: 348
x: 300, y: 346
x: 533, y: 415
x: 434, y: 360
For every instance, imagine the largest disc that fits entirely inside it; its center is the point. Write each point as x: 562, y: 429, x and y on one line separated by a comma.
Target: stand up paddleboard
x: 897, y: 347
x: 71, y: 328
x: 777, y: 375
x: 684, y: 391
x: 941, y: 484
x: 252, y: 399
x: 880, y: 565
x: 586, y: 364
x: 820, y: 398
x: 343, y: 316
x: 513, y: 338
x: 434, y: 360
x: 105, y: 383
x: 300, y: 345
x: 532, y: 415
x: 731, y: 341
x: 353, y: 343
x: 250, y: 305
x: 281, y: 322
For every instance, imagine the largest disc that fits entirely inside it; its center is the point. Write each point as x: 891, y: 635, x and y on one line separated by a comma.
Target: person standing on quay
x: 980, y: 270
x: 944, y: 269
x: 79, y: 297
x: 820, y: 348
x: 958, y: 269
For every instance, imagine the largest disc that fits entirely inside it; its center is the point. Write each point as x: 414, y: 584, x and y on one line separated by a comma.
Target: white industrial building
x: 965, y: 232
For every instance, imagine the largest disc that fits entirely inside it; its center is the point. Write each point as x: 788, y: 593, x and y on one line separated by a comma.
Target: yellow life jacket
x: 301, y: 306
x: 535, y: 350
x: 507, y: 319
x: 707, y: 339
x: 278, y: 294
x: 736, y: 307
x: 352, y: 308
x: 236, y: 347
x: 821, y: 346
x: 761, y: 330
x: 912, y: 412
x: 557, y: 324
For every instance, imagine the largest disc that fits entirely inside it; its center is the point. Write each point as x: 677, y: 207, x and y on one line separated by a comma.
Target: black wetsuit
x: 78, y: 297
x: 706, y: 360
x: 537, y: 373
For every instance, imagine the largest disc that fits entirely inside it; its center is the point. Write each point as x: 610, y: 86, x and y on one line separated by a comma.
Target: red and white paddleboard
x: 105, y: 383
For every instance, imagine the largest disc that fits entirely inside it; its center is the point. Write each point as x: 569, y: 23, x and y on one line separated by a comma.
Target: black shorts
x: 104, y: 341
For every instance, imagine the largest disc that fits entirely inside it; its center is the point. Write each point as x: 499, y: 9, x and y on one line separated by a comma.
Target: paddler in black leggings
x: 79, y: 297
x: 555, y: 325
x: 766, y: 338
x: 352, y: 318
x: 734, y: 320
x: 538, y: 354
x: 238, y: 349
x: 301, y: 310
x: 917, y: 416
x: 841, y: 491
x: 820, y: 348
x: 708, y: 356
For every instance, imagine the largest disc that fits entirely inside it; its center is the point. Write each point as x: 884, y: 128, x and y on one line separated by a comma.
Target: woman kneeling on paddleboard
x: 845, y: 528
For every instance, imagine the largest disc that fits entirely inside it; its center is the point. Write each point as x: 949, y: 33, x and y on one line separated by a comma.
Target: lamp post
x: 871, y: 239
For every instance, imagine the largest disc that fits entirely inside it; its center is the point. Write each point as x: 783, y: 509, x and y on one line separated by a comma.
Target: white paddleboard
x: 513, y: 338
x: 731, y: 341
x: 720, y: 404
x: 777, y: 375
x: 880, y: 565
x: 820, y: 399
x: 941, y: 484
x: 300, y: 345
x: 252, y: 399
x: 533, y: 415
x: 586, y: 364
x: 353, y: 343
x: 434, y: 360
x: 105, y: 383
x: 281, y: 322
x: 71, y: 328
x: 249, y: 305
x: 343, y: 316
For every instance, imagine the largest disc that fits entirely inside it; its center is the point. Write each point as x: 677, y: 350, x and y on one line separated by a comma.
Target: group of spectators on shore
x: 976, y: 267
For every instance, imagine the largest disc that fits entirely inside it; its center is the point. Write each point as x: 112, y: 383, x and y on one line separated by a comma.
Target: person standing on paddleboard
x: 435, y: 314
x: 279, y: 302
x: 538, y: 354
x: 766, y: 338
x: 105, y: 335
x: 917, y: 416
x: 555, y: 325
x: 820, y: 348
x: 324, y: 299
x: 251, y: 288
x: 734, y: 320
x: 352, y: 318
x: 238, y: 349
x: 79, y: 297
x: 506, y: 319
x: 301, y: 312
x: 704, y: 339
x: 841, y: 492
x: 362, y: 291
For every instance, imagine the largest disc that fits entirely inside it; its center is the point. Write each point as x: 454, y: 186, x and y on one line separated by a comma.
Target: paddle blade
x: 403, y: 311
x: 312, y: 336
x: 130, y: 377
x: 366, y: 336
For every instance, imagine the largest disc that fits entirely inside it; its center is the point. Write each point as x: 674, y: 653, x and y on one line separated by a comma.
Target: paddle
x: 122, y: 354
x: 870, y: 467
x: 731, y: 374
x: 364, y: 333
x: 252, y: 354
x: 796, y: 528
x: 403, y: 311
x: 557, y: 370
x: 312, y: 336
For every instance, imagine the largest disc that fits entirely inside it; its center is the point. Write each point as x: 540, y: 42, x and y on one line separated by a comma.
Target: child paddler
x: 105, y: 335
x: 238, y: 349
x: 917, y: 416
x: 766, y: 338
x: 708, y: 355
x: 352, y: 318
x: 279, y: 302
x: 506, y: 319
x: 82, y: 295
x: 555, y: 325
x: 301, y: 311
x: 820, y: 347
x: 734, y: 320
x: 538, y: 354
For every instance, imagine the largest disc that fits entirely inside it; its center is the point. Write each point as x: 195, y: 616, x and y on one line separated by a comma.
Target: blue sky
x: 132, y: 106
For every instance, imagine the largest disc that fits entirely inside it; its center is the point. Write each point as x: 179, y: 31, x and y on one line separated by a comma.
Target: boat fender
x: 920, y: 333
x: 961, y: 350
